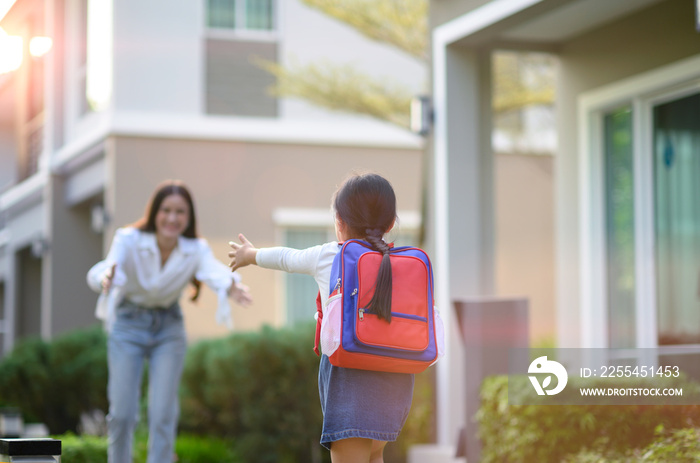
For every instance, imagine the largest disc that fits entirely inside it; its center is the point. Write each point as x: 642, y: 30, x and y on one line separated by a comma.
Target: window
x: 301, y: 290
x: 255, y: 15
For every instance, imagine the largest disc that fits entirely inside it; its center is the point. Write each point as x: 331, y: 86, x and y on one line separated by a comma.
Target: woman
x: 149, y: 264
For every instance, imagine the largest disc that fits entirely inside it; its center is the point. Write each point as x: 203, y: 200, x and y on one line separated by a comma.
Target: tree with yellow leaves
x: 521, y: 79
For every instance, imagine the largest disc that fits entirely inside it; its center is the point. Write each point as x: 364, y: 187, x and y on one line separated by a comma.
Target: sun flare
x: 10, y: 52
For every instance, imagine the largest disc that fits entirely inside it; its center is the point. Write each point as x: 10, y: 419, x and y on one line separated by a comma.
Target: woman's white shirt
x: 140, y: 277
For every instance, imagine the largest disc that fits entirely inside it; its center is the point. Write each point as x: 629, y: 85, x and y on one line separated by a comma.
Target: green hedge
x: 189, y: 449
x: 259, y: 389
x: 678, y: 446
x: 199, y: 449
x: 526, y: 433
x: 55, y: 382
x: 83, y: 449
x: 256, y: 390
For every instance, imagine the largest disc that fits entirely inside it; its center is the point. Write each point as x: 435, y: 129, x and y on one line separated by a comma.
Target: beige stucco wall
x: 660, y: 35
x: 524, y: 244
x: 443, y: 11
x: 236, y: 187
x: 72, y: 249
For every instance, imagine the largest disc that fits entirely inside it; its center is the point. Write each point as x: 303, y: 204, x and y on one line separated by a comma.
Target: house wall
x: 117, y: 155
x: 28, y: 319
x: 601, y: 56
x: 442, y: 11
x: 236, y: 188
x: 72, y: 250
x: 24, y: 223
x: 158, y: 62
x: 646, y: 39
x: 524, y: 243
x: 158, y: 56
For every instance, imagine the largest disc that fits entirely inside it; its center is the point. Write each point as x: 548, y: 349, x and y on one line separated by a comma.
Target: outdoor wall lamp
x: 421, y: 115
x: 99, y: 218
x: 39, y: 247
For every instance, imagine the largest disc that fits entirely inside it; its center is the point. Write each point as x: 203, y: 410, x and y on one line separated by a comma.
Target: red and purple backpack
x: 354, y: 337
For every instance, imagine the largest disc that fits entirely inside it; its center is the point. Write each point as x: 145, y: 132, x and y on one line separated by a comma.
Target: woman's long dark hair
x: 147, y: 223
x: 367, y: 205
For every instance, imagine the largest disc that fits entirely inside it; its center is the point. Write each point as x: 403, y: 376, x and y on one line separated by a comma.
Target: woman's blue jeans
x: 139, y: 334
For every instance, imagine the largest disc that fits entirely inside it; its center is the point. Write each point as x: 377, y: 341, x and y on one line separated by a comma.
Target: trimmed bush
x: 189, y: 449
x: 196, y: 449
x: 259, y: 390
x: 525, y: 433
x: 679, y: 446
x: 83, y: 449
x: 255, y: 392
x: 55, y: 382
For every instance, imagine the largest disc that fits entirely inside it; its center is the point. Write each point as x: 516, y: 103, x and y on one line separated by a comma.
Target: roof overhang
x: 533, y: 23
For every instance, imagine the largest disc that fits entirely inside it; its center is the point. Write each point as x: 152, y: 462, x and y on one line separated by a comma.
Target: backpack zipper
x: 363, y: 311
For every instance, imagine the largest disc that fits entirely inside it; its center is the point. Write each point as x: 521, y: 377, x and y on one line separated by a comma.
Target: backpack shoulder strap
x: 319, y: 318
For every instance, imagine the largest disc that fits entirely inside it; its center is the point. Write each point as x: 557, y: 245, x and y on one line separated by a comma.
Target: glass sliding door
x: 619, y: 227
x: 676, y: 146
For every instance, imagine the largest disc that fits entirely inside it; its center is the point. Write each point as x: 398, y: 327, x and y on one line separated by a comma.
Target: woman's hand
x: 241, y: 294
x: 107, y: 279
x: 243, y: 254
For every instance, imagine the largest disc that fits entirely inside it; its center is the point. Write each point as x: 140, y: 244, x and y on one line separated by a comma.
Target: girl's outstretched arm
x: 243, y: 254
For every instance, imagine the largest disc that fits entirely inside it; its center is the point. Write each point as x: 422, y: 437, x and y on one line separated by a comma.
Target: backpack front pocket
x: 409, y: 329
x: 405, y: 332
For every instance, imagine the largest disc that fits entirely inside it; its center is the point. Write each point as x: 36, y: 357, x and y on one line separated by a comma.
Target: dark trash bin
x: 489, y: 328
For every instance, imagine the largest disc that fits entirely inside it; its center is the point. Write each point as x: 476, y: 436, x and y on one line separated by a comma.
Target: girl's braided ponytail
x: 380, y: 303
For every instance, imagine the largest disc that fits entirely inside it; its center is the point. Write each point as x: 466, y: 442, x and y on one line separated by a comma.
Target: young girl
x: 149, y: 264
x: 362, y: 410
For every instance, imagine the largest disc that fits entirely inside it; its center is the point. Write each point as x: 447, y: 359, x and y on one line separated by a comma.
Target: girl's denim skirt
x: 360, y: 403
